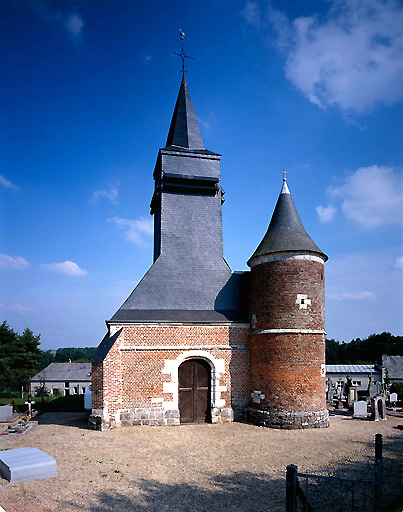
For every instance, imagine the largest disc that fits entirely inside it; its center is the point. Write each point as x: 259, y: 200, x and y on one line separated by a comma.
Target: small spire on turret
x: 285, y: 189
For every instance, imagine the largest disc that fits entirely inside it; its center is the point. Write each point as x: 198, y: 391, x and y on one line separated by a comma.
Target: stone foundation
x: 288, y: 420
x: 151, y: 416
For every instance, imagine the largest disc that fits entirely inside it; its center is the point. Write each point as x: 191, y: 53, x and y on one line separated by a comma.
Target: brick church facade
x: 196, y: 341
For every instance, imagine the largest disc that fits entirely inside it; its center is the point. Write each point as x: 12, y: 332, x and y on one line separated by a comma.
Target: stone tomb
x: 26, y: 464
x: 6, y: 413
x: 393, y: 397
x: 360, y: 409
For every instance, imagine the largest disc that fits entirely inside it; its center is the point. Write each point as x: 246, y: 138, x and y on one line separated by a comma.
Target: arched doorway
x: 194, y: 391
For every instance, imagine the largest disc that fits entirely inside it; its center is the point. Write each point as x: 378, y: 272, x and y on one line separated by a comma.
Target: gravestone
x: 6, y: 413
x: 393, y: 397
x: 26, y: 464
x: 378, y: 408
x: 352, y: 397
x: 360, y: 409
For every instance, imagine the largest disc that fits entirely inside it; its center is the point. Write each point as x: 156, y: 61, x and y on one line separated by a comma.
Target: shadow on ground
x: 66, y: 419
x: 241, y: 491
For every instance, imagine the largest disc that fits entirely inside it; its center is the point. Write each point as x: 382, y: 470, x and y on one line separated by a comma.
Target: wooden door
x: 194, y: 391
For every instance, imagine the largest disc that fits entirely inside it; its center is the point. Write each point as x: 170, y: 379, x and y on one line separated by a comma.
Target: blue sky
x: 87, y: 93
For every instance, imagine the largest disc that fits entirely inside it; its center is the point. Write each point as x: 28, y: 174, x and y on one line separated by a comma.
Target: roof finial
x: 182, y: 54
x: 285, y: 189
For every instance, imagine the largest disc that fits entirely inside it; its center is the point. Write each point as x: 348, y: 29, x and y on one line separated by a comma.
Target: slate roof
x: 352, y: 368
x: 394, y: 365
x: 189, y: 280
x: 64, y: 372
x: 286, y: 232
x: 184, y: 130
x: 187, y: 293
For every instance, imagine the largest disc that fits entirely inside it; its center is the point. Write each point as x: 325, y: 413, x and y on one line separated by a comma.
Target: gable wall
x: 137, y: 383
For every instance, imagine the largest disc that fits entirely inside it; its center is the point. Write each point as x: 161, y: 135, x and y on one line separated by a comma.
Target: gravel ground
x: 193, y: 468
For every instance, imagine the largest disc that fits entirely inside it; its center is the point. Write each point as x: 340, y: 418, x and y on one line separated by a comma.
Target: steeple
x: 184, y: 130
x: 286, y: 232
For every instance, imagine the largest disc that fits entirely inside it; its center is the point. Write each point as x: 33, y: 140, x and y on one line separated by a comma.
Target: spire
x: 286, y: 232
x: 184, y: 130
x: 285, y: 189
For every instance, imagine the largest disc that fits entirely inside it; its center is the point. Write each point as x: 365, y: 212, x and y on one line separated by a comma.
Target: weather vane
x: 284, y: 174
x: 182, y: 54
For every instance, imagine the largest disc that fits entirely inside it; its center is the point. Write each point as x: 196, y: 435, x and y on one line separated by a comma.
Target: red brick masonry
x: 137, y: 381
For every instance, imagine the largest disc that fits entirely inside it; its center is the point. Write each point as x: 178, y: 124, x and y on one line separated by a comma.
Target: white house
x: 63, y: 379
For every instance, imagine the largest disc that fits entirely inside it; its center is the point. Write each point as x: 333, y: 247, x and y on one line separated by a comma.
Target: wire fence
x: 360, y: 481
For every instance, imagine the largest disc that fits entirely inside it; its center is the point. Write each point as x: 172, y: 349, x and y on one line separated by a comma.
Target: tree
x: 367, y: 350
x: 19, y: 356
x: 42, y: 391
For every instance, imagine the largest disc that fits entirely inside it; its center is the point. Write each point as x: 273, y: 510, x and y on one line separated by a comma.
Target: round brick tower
x: 287, y: 337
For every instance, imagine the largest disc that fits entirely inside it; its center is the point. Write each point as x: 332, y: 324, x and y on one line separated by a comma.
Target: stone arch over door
x: 171, y: 386
x: 194, y: 381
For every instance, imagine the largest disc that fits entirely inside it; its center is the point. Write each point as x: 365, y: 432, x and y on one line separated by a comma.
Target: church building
x: 198, y: 342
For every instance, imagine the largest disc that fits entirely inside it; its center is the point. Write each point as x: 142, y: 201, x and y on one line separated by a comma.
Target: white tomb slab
x: 26, y: 464
x: 393, y: 397
x: 360, y: 409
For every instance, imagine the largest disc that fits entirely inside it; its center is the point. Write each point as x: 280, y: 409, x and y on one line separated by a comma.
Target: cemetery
x: 231, y: 466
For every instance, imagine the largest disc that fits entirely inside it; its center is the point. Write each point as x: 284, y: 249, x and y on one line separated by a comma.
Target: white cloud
x: 205, y: 124
x: 16, y: 308
x: 326, y: 213
x: 112, y: 195
x: 69, y: 268
x: 399, y: 262
x: 371, y: 197
x: 7, y: 184
x: 137, y: 231
x: 251, y: 14
x: 74, y: 24
x: 71, y: 21
x: 351, y: 59
x: 362, y: 295
x: 13, y: 262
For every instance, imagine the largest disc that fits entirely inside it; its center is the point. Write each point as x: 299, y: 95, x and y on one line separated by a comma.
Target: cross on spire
x: 182, y: 54
x: 284, y: 174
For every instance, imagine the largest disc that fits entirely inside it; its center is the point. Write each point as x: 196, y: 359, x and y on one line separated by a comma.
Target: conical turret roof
x: 286, y: 232
x: 184, y: 130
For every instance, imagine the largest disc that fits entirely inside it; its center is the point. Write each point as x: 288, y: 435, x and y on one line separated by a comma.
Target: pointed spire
x: 285, y: 189
x: 286, y: 232
x: 184, y: 130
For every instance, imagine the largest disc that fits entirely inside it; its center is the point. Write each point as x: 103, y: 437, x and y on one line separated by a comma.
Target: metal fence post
x: 291, y: 488
x: 378, y: 472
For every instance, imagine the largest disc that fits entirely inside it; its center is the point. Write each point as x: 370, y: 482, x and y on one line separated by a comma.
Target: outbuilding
x: 63, y: 379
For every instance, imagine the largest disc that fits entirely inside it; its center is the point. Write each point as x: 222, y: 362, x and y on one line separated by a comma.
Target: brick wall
x: 276, y: 286
x: 287, y: 344
x: 138, y: 374
x: 287, y: 370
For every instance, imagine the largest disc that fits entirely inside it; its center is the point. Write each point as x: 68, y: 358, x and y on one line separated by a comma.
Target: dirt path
x: 188, y: 468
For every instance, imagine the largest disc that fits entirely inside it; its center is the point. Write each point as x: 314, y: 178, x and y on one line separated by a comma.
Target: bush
x: 10, y: 393
x: 397, y: 387
x: 71, y: 403
x: 18, y: 403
